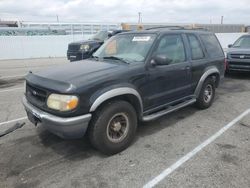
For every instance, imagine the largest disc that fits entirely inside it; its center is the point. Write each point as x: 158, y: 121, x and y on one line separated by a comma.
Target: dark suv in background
x: 84, y: 49
x: 134, y: 76
x: 238, y: 55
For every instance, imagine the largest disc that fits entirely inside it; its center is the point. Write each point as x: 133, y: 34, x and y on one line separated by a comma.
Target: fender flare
x: 205, y: 75
x: 114, y: 93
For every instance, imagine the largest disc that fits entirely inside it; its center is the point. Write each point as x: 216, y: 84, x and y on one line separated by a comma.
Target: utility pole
x: 222, y: 19
x: 139, y: 19
x: 57, y: 18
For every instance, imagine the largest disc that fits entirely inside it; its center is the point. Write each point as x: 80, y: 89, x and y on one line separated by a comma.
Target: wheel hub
x: 208, y: 93
x: 117, y: 126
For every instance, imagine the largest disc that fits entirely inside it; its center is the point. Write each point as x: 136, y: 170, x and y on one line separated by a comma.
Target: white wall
x: 23, y: 47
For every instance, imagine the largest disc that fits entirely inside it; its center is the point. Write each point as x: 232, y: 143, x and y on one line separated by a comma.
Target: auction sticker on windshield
x: 141, y: 38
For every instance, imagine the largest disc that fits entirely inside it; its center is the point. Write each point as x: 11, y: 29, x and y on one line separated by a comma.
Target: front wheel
x: 207, y: 93
x: 113, y: 127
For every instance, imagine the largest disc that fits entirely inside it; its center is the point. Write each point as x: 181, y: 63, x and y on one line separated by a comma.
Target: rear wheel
x: 113, y: 127
x: 207, y: 93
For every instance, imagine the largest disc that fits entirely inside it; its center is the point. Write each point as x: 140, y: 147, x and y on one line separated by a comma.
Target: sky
x: 126, y: 11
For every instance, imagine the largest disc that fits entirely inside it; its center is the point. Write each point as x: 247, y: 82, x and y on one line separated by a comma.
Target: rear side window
x: 212, y: 45
x: 196, y: 50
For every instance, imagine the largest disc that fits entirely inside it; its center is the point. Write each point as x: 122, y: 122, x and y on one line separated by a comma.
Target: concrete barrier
x: 23, y: 47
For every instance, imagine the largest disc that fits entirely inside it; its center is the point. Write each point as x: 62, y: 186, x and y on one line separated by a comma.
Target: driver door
x: 168, y: 83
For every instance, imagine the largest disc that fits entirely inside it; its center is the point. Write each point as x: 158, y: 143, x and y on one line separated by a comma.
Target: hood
x: 74, y: 74
x: 238, y: 50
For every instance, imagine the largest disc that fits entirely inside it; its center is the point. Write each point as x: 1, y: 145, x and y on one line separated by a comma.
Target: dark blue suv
x: 134, y: 76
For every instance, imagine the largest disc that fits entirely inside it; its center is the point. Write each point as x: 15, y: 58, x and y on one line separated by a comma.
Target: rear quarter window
x: 196, y: 49
x: 212, y: 45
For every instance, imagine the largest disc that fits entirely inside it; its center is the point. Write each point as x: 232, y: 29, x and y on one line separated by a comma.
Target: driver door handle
x: 186, y: 68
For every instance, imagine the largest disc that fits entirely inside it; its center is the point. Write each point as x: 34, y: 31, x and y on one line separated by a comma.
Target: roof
x: 159, y: 30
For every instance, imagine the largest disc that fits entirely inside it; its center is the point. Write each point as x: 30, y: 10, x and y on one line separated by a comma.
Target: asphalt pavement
x: 32, y: 157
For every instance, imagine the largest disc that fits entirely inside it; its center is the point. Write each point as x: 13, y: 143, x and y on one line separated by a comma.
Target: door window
x: 196, y: 50
x: 172, y: 46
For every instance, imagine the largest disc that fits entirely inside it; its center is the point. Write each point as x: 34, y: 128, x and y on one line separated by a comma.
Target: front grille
x: 73, y: 47
x: 36, y: 95
x: 239, y: 66
x: 240, y: 56
x: 239, y: 63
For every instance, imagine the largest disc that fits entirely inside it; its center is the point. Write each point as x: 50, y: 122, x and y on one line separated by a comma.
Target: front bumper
x: 70, y: 127
x: 77, y: 55
x: 238, y: 65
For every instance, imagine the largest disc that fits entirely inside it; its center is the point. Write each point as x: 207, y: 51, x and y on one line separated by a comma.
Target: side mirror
x: 230, y: 46
x: 161, y: 60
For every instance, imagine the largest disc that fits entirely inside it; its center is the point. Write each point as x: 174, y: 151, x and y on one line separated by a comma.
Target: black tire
x: 203, y: 101
x: 103, y: 131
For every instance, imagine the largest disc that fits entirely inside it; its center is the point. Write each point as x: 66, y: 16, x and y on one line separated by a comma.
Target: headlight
x: 62, y: 102
x: 84, y: 47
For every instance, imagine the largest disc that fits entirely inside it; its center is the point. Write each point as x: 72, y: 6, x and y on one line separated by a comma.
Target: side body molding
x: 114, y: 93
x: 208, y: 72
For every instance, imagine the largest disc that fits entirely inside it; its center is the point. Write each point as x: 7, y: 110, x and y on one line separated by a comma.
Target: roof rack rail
x: 179, y: 27
x: 167, y: 27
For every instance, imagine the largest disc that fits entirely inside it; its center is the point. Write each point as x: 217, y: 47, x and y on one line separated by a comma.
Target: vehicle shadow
x: 238, y: 75
x: 40, y: 150
x: 10, y: 82
x: 71, y: 149
x: 169, y: 120
x: 234, y: 82
x: 80, y: 149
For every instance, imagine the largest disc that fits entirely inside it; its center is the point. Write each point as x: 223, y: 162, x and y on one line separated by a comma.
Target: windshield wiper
x: 116, y: 58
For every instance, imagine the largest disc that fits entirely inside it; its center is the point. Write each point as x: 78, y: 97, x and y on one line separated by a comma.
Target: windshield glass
x: 101, y: 35
x: 130, y: 47
x: 243, y: 42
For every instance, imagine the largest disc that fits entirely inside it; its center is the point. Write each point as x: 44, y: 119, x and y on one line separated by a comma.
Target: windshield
x: 130, y: 47
x: 101, y: 35
x: 243, y: 42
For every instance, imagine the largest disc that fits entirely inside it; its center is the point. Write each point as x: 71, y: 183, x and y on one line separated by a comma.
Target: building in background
x: 81, y: 28
x: 223, y: 28
x: 72, y: 28
x: 14, y: 31
x: 19, y: 28
x: 9, y: 23
x: 216, y: 28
